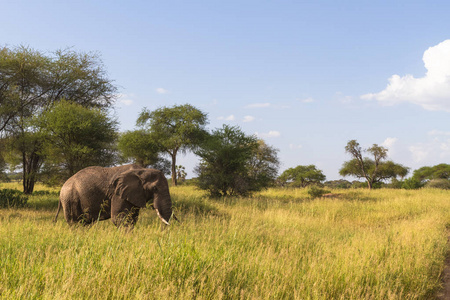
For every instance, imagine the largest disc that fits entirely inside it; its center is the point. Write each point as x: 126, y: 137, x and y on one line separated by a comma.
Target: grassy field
x: 380, y: 244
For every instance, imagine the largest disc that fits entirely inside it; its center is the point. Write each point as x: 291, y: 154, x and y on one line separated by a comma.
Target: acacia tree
x: 302, y: 176
x: 32, y: 81
x: 138, y: 146
x: 372, y: 170
x: 233, y: 163
x: 174, y: 129
x: 441, y: 171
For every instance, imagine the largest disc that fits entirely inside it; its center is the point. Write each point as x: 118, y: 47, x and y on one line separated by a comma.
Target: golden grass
x: 380, y: 244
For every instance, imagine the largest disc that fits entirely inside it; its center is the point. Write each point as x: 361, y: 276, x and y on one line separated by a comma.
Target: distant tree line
x: 55, y: 119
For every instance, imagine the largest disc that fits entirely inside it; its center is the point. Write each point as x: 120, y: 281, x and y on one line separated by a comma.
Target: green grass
x: 380, y: 244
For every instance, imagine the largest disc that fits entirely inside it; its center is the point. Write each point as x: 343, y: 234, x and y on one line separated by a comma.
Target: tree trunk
x: 174, y: 168
x: 369, y: 184
x: 30, y: 168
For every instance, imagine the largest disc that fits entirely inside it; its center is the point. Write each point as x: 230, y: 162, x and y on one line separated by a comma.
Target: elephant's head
x: 138, y: 186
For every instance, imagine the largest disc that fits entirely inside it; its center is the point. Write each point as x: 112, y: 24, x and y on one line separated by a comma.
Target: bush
x: 316, y: 192
x: 12, y: 198
x: 45, y: 193
x: 411, y: 184
x: 439, y: 184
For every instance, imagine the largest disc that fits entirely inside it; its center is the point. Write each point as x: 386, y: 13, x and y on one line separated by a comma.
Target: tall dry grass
x: 382, y: 244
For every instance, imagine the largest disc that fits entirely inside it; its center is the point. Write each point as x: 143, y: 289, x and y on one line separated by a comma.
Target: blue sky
x: 306, y: 76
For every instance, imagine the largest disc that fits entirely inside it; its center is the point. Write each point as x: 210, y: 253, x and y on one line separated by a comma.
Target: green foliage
x: 338, y: 184
x: 301, y: 176
x: 31, y: 82
x: 139, y: 147
x: 174, y: 129
x: 317, y: 192
x: 411, y: 184
x: 75, y: 137
x: 233, y: 163
x: 438, y: 184
x: 12, y: 198
x: 375, y: 170
x: 424, y: 174
x: 263, y: 166
x: 181, y: 173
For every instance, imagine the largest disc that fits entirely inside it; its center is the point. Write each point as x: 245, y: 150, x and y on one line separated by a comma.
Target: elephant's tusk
x: 164, y: 221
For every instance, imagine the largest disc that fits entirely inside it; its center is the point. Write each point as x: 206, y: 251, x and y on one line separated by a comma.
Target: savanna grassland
x: 379, y: 244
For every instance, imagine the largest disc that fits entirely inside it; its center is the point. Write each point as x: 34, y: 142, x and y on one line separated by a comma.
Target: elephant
x: 99, y: 193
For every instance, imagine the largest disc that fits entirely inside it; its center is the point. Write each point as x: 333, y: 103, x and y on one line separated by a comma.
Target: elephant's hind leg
x: 72, y: 212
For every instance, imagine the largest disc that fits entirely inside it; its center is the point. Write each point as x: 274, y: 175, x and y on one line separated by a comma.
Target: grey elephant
x: 98, y: 193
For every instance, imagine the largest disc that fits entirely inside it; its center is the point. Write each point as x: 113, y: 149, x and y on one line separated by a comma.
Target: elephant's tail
x: 57, y: 213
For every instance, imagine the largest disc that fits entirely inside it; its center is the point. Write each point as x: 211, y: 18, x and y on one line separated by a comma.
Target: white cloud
x: 438, y: 132
x: 248, y: 119
x: 308, y: 100
x: 293, y: 147
x: 339, y: 96
x: 229, y: 118
x: 432, y: 91
x: 270, y: 134
x: 125, y: 99
x: 126, y: 102
x: 389, y: 144
x: 419, y: 152
x: 161, y: 91
x: 431, y: 152
x: 258, y: 105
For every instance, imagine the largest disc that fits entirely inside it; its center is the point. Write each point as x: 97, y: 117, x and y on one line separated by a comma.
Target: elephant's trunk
x: 163, y: 206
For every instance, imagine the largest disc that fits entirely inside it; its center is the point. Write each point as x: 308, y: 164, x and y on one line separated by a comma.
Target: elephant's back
x: 90, y: 180
x: 93, y: 180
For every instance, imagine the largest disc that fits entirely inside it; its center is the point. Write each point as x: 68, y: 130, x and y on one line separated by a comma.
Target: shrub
x: 316, y: 192
x: 411, y: 184
x: 12, y: 198
x: 439, y: 184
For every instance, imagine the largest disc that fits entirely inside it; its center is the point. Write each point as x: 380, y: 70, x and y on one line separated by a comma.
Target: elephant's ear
x: 129, y: 187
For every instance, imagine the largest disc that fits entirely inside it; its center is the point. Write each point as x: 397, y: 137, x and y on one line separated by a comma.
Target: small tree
x: 233, y: 163
x: 301, y: 176
x: 372, y: 170
x: 75, y: 137
x: 181, y: 173
x: 138, y: 147
x: 263, y: 165
x: 174, y: 129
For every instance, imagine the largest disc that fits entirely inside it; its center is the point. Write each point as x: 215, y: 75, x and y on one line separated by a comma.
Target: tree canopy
x: 301, y: 176
x: 233, y: 163
x: 75, y: 137
x: 372, y: 170
x: 138, y: 147
x: 31, y: 82
x: 174, y: 129
x: 441, y: 171
x: 263, y: 165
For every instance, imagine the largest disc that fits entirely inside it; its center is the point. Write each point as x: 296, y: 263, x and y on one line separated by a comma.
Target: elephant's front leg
x: 123, y: 213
